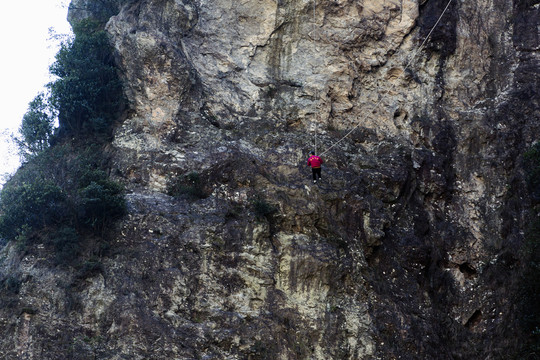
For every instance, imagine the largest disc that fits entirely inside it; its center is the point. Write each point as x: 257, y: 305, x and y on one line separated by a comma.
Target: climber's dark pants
x: 316, y: 172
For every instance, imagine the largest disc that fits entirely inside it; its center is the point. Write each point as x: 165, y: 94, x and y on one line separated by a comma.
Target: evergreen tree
x: 36, y: 128
x: 88, y: 93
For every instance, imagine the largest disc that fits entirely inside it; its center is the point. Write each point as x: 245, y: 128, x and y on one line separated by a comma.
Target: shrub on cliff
x: 60, y: 191
x: 262, y: 208
x: 101, y: 200
x: 189, y: 185
x: 66, y: 244
x: 29, y: 205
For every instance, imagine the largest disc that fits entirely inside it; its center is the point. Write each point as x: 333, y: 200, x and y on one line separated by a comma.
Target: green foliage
x: 262, y: 208
x: 102, y: 10
x: 36, y: 129
x: 101, y: 200
x: 189, y: 185
x: 61, y: 194
x: 66, y: 244
x: 88, y: 93
x: 57, y: 197
x: 33, y: 205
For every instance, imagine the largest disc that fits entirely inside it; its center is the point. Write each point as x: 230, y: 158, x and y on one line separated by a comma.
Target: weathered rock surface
x: 408, y: 249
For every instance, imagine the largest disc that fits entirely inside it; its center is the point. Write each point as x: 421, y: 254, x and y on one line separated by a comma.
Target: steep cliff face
x: 409, y: 248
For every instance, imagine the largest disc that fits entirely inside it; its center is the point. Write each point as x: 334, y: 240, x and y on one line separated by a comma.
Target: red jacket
x: 314, y: 161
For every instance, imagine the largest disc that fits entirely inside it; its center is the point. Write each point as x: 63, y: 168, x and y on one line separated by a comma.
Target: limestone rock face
x: 408, y: 247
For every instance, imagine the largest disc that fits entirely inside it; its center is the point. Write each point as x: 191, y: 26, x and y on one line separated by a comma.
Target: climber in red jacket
x: 315, y: 162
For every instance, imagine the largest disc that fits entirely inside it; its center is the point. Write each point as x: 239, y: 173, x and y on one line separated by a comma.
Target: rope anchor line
x: 316, y: 90
x: 391, y: 88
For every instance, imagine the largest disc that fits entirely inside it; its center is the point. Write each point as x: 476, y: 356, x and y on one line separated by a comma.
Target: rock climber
x: 315, y: 162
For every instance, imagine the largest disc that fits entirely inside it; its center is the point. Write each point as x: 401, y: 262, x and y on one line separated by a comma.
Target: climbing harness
x: 394, y: 84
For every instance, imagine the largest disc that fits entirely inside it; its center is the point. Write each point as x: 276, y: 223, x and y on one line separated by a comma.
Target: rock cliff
x: 409, y: 247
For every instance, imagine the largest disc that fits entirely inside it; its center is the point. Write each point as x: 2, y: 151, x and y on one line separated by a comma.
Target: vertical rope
x: 316, y: 90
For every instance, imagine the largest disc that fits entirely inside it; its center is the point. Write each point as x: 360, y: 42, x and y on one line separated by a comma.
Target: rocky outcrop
x: 408, y: 248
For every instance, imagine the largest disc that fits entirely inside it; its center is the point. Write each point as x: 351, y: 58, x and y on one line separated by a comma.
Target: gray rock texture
x: 409, y: 248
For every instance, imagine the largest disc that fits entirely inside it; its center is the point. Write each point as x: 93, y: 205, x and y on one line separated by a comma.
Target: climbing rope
x: 394, y: 84
x: 316, y: 90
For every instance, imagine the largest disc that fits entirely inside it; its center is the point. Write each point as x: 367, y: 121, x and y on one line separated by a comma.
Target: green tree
x: 28, y: 207
x: 100, y: 10
x: 88, y: 93
x: 62, y: 188
x: 62, y: 196
x: 36, y: 128
x: 101, y: 201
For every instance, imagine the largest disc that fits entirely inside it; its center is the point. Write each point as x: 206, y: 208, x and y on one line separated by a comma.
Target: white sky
x: 26, y: 53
